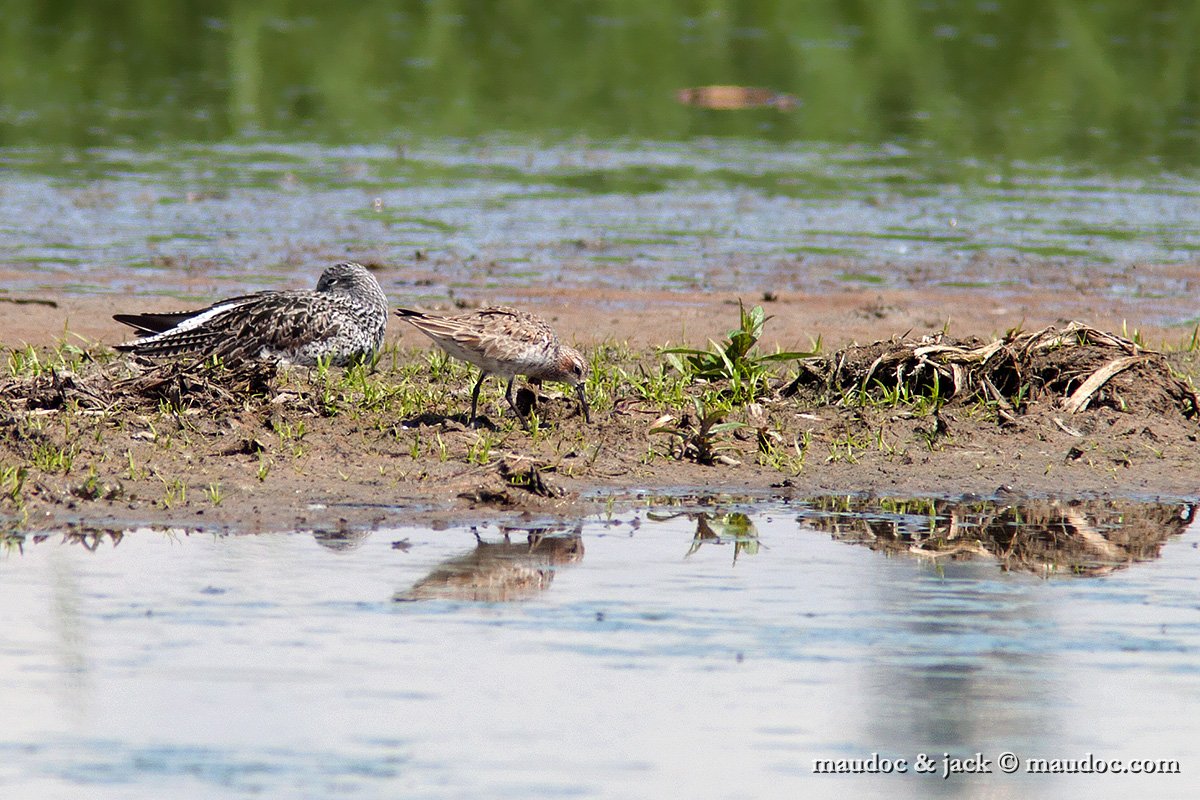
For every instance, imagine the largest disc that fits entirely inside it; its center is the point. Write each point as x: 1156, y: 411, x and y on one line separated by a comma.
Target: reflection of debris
x: 732, y: 98
x: 92, y: 538
x: 1044, y: 537
x: 88, y: 537
x: 501, y: 571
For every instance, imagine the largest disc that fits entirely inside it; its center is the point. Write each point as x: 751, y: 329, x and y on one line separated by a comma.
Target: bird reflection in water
x: 342, y: 539
x: 502, y: 571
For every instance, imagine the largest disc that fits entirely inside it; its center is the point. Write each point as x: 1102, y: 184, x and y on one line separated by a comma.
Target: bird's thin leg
x: 475, y: 398
x: 508, y: 395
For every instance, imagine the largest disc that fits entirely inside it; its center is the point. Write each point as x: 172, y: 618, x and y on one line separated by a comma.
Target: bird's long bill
x: 583, y: 402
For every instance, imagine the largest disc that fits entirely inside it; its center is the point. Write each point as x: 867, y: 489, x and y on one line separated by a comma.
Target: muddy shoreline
x: 280, y: 462
x: 644, y: 318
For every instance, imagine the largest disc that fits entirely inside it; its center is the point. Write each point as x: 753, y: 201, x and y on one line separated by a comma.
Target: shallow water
x: 978, y: 148
x: 701, y: 650
x: 488, y: 217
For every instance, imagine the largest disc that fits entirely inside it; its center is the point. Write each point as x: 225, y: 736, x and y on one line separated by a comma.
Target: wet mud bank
x: 89, y: 439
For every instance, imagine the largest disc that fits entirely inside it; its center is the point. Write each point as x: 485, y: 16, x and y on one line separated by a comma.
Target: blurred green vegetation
x: 1083, y: 80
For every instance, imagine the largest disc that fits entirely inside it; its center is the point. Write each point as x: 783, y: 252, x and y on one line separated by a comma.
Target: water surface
x: 976, y: 147
x: 707, y: 651
x: 487, y: 219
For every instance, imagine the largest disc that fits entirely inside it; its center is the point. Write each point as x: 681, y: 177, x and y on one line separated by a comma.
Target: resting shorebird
x: 342, y: 321
x: 505, y: 342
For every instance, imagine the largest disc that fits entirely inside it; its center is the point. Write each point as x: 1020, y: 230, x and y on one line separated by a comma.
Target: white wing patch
x: 196, y: 321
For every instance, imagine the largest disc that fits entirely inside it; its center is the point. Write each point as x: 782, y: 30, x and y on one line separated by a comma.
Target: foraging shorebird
x: 342, y: 321
x: 505, y: 342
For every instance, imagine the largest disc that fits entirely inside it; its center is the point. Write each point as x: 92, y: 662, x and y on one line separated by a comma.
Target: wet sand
x: 651, y: 318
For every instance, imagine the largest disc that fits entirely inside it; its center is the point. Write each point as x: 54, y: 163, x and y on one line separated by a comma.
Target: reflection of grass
x: 406, y: 220
x: 508, y: 198
x: 1112, y: 234
x: 733, y: 527
x: 626, y: 180
x: 426, y: 172
x: 253, y: 156
x: 1050, y: 197
x: 976, y: 284
x: 1059, y: 251
x: 1045, y: 250
x: 787, y: 184
x: 156, y: 238
x: 36, y: 260
x: 635, y: 241
x: 860, y: 277
x: 916, y: 236
x: 820, y: 250
x: 892, y: 235
x: 84, y: 288
x: 680, y: 233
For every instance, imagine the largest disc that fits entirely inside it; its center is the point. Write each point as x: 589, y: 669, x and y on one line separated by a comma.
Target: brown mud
x: 110, y: 442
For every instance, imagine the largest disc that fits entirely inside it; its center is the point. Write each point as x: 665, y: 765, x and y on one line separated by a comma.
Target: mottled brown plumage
x: 505, y: 342
x: 343, y: 320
